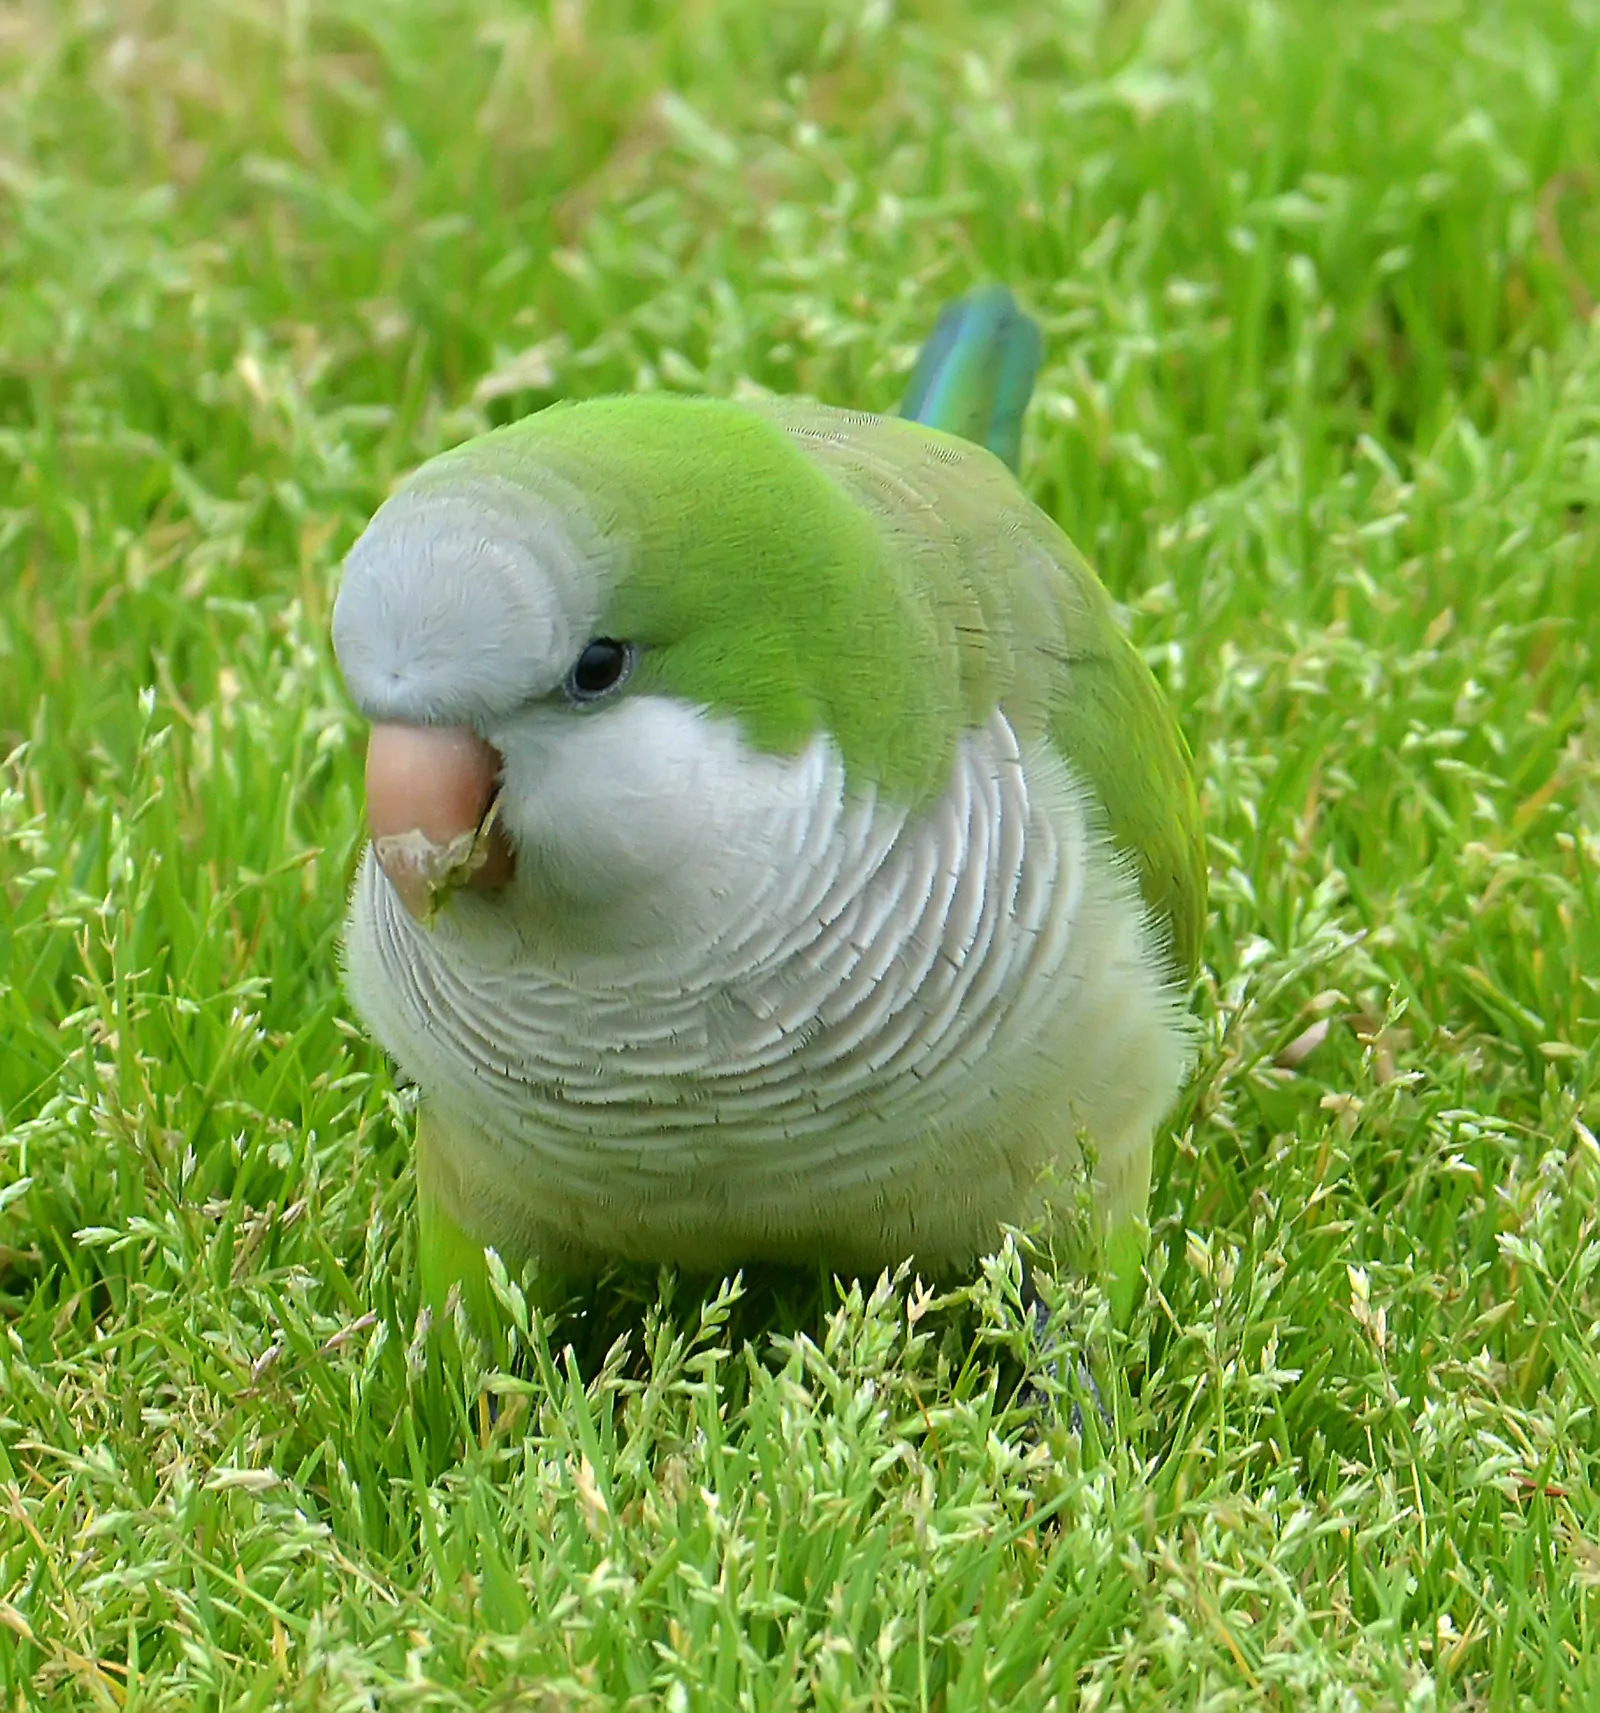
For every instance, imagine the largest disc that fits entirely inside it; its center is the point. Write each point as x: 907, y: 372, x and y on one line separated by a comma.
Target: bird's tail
x: 976, y: 372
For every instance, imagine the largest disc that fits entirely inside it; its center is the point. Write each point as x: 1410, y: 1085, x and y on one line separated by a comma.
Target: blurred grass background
x: 1322, y: 400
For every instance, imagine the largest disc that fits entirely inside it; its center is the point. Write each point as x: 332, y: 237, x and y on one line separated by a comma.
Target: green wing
x: 1031, y: 630
x: 1113, y: 723
x: 973, y: 378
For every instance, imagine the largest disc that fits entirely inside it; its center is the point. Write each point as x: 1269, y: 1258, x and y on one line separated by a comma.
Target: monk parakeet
x: 778, y: 851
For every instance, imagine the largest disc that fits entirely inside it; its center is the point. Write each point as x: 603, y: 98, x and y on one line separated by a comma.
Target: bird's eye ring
x: 602, y: 667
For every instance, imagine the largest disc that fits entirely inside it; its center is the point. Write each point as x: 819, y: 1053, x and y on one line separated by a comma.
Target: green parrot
x: 778, y: 851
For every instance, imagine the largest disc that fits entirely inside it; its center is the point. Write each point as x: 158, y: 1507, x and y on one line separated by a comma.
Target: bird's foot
x: 1065, y: 1358
x: 1072, y: 1371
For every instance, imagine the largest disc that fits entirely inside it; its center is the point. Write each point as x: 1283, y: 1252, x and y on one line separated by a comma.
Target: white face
x: 639, y: 824
x: 648, y: 823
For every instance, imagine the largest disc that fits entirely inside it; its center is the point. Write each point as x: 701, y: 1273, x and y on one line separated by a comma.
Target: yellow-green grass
x: 1322, y: 401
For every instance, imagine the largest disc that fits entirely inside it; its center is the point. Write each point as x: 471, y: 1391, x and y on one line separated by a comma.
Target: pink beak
x: 430, y: 790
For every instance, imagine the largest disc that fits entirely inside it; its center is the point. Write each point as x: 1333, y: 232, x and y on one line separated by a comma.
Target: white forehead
x: 466, y: 597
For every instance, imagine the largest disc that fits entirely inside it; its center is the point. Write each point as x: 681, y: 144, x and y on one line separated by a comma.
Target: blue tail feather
x: 975, y: 374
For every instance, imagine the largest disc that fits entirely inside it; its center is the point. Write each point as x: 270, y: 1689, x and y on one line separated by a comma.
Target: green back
x: 809, y: 569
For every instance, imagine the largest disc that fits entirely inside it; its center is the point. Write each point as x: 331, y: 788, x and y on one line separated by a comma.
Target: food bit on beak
x: 432, y: 808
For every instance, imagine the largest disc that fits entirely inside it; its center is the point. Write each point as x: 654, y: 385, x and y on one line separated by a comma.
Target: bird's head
x: 608, y: 654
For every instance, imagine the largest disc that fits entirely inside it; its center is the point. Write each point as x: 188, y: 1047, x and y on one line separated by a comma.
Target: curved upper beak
x: 432, y: 793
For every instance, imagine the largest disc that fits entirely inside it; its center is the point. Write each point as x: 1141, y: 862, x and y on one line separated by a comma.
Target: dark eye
x: 602, y: 666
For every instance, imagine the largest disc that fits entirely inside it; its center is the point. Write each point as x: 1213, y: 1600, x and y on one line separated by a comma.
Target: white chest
x: 891, y: 1030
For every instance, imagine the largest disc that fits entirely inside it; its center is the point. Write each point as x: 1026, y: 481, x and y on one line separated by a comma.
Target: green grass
x: 1323, y: 402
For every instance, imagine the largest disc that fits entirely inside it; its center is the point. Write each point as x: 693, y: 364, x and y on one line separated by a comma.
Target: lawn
x: 1321, y: 400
